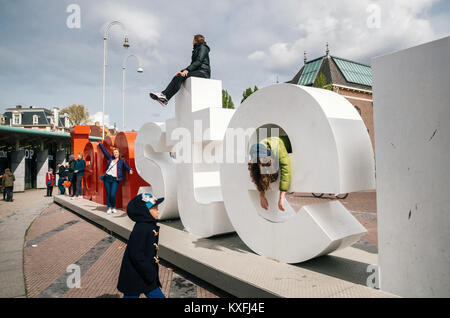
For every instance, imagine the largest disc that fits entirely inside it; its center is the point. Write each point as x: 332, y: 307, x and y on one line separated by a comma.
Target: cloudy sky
x: 45, y: 63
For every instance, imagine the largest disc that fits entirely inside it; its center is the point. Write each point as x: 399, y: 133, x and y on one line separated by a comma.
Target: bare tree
x: 78, y: 114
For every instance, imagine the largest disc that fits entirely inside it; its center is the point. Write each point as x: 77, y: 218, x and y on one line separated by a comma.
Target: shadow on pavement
x: 342, y: 268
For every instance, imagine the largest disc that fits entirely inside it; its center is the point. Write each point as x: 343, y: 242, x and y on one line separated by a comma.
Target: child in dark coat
x: 139, y: 272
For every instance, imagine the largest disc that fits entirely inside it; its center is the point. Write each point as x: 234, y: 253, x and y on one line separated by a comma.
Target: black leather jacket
x: 200, y: 60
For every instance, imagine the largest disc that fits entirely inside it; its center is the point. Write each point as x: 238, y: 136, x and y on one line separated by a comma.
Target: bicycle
x: 341, y: 196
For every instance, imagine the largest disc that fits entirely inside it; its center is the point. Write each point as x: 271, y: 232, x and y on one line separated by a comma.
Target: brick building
x: 350, y: 79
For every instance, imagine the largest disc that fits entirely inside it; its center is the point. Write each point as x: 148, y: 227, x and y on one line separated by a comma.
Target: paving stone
x: 49, y: 221
x: 47, y: 235
x: 100, y: 256
x: 46, y: 262
x: 99, y: 261
x: 60, y: 287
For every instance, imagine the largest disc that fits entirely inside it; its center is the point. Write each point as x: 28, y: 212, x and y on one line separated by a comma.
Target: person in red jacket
x: 50, y: 182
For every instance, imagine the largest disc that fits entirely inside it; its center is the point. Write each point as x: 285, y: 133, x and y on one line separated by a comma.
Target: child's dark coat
x: 139, y: 270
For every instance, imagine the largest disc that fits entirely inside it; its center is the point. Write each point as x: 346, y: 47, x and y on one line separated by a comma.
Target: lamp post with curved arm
x: 124, y: 69
x: 125, y: 45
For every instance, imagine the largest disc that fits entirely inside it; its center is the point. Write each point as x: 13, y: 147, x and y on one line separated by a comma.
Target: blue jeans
x: 60, y: 186
x: 155, y: 293
x: 111, y: 186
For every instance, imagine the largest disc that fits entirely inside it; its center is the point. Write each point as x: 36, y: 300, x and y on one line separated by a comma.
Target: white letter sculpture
x: 201, y: 122
x: 331, y: 153
x: 154, y: 165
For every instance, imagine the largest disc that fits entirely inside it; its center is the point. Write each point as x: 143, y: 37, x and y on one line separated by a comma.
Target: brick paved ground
x: 363, y: 206
x: 59, y: 238
x: 359, y: 202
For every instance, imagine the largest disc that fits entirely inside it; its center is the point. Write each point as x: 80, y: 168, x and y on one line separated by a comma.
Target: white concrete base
x: 412, y: 138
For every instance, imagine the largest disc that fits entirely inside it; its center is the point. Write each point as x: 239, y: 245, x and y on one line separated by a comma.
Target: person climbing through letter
x: 264, y: 170
x: 199, y: 67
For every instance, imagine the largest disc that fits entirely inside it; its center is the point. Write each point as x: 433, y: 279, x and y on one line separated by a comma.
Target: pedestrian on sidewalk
x: 8, y: 183
x: 139, y: 272
x: 62, y: 173
x: 71, y: 176
x: 115, y: 171
x: 50, y: 182
x: 199, y: 67
x: 3, y: 188
x: 80, y: 165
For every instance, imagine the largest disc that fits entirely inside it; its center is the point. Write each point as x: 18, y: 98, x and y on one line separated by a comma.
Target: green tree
x: 321, y: 82
x: 78, y: 114
x: 248, y: 92
x: 227, y: 102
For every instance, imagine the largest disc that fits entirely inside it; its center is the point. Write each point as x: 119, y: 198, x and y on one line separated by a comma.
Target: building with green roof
x: 349, y: 78
x: 337, y: 71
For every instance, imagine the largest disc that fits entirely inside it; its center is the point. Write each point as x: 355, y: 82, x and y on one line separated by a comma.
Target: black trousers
x: 73, y: 185
x: 49, y: 191
x: 175, y: 84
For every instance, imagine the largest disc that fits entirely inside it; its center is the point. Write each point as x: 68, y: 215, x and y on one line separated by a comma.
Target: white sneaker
x: 159, y: 96
x: 162, y: 103
x: 114, y: 211
x: 109, y: 211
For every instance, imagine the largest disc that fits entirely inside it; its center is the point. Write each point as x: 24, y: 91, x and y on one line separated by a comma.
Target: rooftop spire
x: 304, y: 57
x: 327, y: 50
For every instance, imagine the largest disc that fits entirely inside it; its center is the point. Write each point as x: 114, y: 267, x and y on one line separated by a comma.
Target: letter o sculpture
x: 331, y: 153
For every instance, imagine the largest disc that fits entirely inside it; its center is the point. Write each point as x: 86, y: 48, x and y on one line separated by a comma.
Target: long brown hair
x: 262, y: 181
x: 199, y: 39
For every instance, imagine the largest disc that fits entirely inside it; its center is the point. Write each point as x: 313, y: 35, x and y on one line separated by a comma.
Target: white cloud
x: 257, y: 56
x: 97, y: 117
x: 141, y: 25
x: 143, y: 28
x: 252, y: 43
x: 344, y: 26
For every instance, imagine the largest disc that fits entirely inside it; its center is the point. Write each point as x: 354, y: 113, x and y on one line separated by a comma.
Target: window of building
x: 16, y: 119
x: 35, y: 119
x: 2, y: 120
x: 66, y: 121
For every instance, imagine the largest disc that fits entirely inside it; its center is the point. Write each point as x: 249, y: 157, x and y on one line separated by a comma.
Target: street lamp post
x: 124, y: 69
x: 125, y: 45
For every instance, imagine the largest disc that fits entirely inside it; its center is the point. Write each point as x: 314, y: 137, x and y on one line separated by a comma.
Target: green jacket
x: 280, y: 148
x: 8, y: 179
